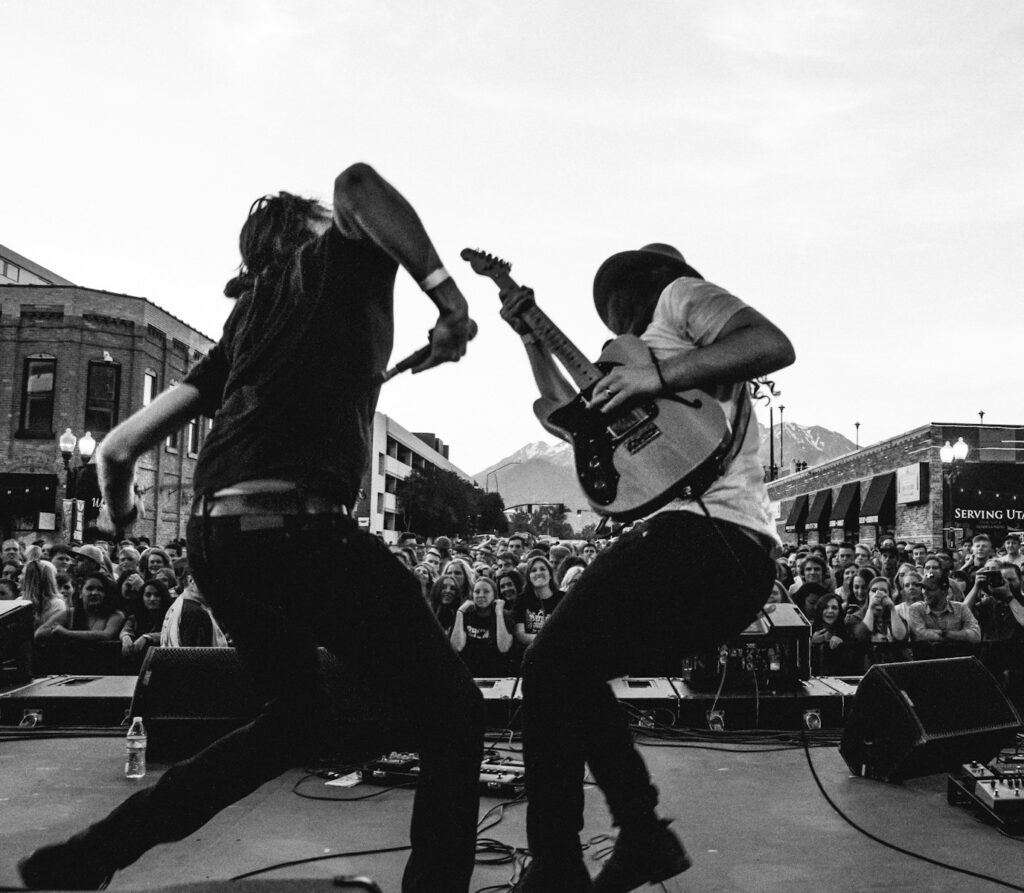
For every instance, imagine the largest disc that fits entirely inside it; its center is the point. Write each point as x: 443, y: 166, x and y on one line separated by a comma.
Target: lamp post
x: 86, y: 447
x: 487, y: 478
x: 952, y: 458
x: 782, y: 436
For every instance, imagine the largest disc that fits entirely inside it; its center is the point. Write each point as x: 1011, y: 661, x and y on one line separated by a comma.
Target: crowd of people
x: 890, y: 601
x: 901, y: 601
x: 100, y: 606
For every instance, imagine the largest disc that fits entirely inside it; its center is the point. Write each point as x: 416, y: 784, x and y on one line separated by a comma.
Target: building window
x: 173, y: 440
x: 37, y: 396
x: 11, y: 271
x: 380, y: 503
x: 148, y: 387
x: 193, y: 437
x: 101, y: 396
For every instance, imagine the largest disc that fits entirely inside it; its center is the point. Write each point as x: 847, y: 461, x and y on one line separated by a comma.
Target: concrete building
x: 901, y: 488
x: 84, y: 359
x: 395, y: 454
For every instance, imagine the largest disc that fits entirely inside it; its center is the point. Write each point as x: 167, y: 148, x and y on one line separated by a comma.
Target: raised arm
x: 551, y: 383
x: 367, y: 206
x: 119, y: 450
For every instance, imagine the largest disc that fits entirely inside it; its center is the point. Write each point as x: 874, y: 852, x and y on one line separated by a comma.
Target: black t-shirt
x: 481, y: 654
x: 291, y: 384
x: 533, y: 612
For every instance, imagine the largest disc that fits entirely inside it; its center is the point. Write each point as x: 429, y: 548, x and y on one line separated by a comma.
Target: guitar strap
x: 740, y: 423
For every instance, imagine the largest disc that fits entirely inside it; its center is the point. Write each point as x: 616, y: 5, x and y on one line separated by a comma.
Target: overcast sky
x: 854, y: 170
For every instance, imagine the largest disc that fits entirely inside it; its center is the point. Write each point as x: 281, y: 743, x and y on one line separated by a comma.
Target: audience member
x: 539, y: 599
x: 939, y: 622
x: 99, y: 619
x: 39, y: 586
x: 445, y: 597
x: 480, y: 633
x: 142, y: 628
x: 189, y: 623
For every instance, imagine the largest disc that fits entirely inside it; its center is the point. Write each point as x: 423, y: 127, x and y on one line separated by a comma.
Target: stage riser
x: 190, y: 697
x: 64, y: 701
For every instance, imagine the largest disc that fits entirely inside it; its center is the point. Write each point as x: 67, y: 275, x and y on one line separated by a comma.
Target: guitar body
x: 631, y: 463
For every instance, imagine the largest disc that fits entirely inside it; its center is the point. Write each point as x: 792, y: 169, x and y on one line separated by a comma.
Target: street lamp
x: 487, y: 479
x: 952, y: 458
x: 86, y: 447
x: 782, y: 436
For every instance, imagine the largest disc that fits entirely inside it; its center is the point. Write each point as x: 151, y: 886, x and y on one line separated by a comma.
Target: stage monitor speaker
x: 922, y: 717
x: 190, y: 697
x: 16, y: 635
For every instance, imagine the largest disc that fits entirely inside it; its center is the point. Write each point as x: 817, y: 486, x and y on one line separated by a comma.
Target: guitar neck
x: 583, y: 372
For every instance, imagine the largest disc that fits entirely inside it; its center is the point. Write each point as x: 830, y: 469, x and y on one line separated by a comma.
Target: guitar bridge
x: 642, y: 438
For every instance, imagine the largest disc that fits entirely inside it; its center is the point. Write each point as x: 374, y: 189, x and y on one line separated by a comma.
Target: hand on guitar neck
x: 623, y: 385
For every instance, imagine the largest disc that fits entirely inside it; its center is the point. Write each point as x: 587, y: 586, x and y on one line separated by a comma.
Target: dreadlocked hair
x: 276, y: 227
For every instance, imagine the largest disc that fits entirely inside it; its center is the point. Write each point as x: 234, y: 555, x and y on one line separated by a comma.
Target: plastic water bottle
x: 135, y: 750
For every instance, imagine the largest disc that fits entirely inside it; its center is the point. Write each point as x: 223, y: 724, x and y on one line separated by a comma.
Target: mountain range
x: 540, y: 472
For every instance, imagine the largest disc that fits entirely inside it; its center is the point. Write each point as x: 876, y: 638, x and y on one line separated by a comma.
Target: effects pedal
x: 996, y: 788
x: 395, y: 768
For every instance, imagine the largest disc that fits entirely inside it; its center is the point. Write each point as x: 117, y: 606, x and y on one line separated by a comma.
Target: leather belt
x: 266, y: 498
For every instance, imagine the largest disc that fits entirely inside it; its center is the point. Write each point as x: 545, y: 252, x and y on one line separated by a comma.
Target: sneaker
x: 642, y: 859
x: 543, y: 876
x: 64, y: 866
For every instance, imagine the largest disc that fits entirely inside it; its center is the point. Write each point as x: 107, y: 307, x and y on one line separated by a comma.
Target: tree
x: 491, y: 513
x: 434, y: 502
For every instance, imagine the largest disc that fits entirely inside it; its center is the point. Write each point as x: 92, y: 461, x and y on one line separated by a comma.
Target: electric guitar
x: 633, y: 461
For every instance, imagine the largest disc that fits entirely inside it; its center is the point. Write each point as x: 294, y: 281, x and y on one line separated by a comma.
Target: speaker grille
x: 917, y: 718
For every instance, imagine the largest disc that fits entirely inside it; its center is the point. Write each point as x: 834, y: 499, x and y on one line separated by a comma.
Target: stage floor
x: 753, y: 821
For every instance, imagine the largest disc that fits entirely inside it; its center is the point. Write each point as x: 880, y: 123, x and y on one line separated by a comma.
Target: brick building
x: 85, y: 359
x: 900, y: 488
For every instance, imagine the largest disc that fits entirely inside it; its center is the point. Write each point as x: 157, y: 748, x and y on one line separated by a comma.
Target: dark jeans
x: 280, y: 594
x: 685, y: 584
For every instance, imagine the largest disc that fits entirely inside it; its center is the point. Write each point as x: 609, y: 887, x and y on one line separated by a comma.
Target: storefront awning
x: 821, y: 509
x: 879, y: 506
x: 797, y: 514
x: 847, y: 506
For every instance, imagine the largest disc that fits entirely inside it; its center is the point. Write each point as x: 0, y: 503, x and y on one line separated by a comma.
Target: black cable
x: 894, y: 847
x: 336, y: 799
x: 311, y: 859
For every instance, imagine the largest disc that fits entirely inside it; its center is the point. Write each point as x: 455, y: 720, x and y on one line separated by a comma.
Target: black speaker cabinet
x: 926, y: 716
x: 190, y: 697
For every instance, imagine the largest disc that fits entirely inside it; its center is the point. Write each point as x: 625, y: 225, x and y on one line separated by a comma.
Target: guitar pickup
x: 642, y: 438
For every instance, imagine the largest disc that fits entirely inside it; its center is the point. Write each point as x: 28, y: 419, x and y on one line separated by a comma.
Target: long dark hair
x: 152, y: 620
x: 276, y: 227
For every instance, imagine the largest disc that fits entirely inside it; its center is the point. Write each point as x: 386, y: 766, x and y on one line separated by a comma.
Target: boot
x: 642, y: 857
x: 65, y: 866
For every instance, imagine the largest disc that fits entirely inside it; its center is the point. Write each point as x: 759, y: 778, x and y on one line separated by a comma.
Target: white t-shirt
x: 689, y: 315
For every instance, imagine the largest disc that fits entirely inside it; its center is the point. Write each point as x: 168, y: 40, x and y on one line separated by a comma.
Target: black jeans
x: 280, y: 594
x: 685, y: 584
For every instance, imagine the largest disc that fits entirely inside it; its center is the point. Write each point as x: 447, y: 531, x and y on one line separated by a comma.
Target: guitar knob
x: 600, y: 486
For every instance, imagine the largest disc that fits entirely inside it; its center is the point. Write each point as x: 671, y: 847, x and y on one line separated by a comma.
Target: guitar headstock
x: 486, y: 264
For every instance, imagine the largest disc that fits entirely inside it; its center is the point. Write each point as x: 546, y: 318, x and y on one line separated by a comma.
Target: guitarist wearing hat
x: 719, y: 533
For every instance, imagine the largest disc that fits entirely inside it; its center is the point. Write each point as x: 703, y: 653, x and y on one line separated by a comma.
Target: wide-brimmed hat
x: 626, y: 266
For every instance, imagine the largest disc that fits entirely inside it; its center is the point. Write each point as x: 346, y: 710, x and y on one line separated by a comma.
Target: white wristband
x: 434, y: 279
